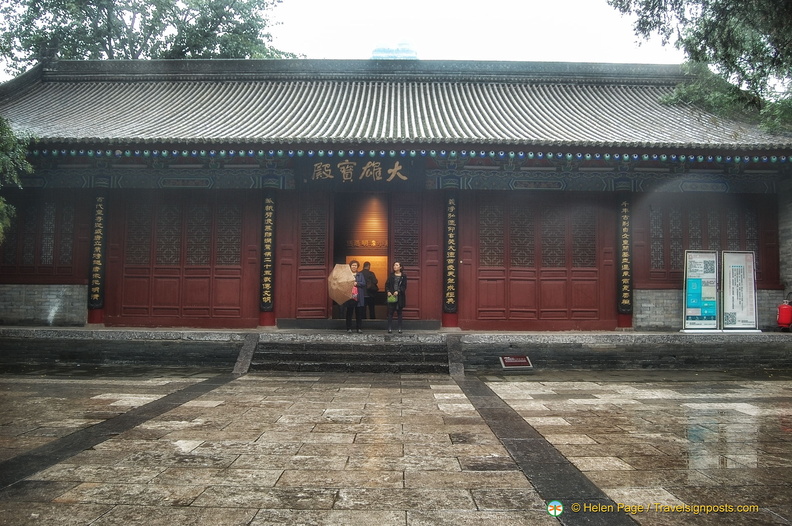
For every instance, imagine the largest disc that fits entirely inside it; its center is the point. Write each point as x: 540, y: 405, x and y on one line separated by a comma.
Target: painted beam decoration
x: 450, y: 273
x: 625, y: 258
x: 268, y: 254
x: 96, y: 289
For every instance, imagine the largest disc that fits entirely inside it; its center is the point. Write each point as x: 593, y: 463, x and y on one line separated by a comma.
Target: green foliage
x: 13, y: 162
x: 747, y: 43
x: 40, y: 30
x: 713, y: 94
x: 776, y: 116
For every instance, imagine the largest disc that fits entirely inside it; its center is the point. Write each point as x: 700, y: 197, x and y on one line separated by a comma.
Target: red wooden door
x: 537, y: 264
x: 303, y: 255
x: 416, y: 241
x: 184, y: 259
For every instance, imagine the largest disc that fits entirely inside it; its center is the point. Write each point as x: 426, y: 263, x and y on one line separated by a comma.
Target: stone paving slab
x: 332, y: 449
x: 672, y: 442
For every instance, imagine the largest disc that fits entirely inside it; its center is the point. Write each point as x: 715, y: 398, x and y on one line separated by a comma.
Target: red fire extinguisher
x: 784, y: 316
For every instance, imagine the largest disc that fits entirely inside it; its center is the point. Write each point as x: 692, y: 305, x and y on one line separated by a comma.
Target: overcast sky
x: 533, y: 30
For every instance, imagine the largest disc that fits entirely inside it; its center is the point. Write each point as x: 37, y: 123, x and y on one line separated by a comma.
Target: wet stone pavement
x: 186, y: 447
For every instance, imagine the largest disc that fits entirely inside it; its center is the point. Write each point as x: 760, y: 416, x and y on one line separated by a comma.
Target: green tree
x: 13, y: 162
x: 748, y: 43
x: 41, y: 30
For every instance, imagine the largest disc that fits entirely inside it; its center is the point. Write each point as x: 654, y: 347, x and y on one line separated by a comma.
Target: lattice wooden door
x: 543, y: 264
x: 184, y: 259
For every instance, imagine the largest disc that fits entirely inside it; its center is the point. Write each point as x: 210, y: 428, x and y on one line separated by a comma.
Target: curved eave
x: 406, y: 141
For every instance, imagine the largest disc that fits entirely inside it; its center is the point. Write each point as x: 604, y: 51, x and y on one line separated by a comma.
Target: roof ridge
x: 429, y: 70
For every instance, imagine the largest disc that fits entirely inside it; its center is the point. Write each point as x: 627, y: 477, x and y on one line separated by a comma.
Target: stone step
x: 350, y: 367
x: 358, y: 353
x: 370, y: 354
x: 379, y: 325
x: 349, y: 358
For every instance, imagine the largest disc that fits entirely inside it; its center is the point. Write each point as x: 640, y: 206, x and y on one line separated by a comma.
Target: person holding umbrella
x: 358, y: 301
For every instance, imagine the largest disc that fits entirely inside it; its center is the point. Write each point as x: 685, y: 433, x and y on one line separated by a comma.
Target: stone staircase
x: 343, y: 352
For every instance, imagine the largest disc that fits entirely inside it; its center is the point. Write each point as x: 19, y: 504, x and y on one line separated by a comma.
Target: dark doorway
x: 361, y: 233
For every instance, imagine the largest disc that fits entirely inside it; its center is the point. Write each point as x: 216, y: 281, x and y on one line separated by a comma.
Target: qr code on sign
x: 729, y: 318
x: 709, y: 266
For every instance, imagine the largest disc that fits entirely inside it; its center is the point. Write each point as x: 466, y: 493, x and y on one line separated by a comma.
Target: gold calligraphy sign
x: 348, y: 171
x: 625, y: 259
x: 96, y: 288
x: 450, y: 270
x: 268, y: 255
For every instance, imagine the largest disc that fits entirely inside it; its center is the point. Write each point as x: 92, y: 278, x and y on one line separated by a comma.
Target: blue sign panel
x: 701, y: 290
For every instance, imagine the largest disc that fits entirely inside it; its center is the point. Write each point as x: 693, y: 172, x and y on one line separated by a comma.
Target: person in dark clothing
x: 395, y: 288
x: 356, y: 304
x: 372, y: 287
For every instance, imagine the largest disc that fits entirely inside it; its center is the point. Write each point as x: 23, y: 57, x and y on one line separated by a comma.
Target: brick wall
x: 657, y: 310
x: 65, y: 305
x: 785, y: 232
x: 59, y: 305
x: 479, y: 352
x: 768, y: 302
x: 661, y: 310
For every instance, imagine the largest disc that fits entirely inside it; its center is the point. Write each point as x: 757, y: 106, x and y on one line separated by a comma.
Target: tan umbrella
x: 340, y: 283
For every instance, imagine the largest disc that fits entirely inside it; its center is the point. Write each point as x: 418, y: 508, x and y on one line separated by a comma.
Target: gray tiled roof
x: 365, y: 102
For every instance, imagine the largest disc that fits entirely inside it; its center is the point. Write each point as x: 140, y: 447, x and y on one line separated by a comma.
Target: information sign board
x: 739, y: 291
x: 701, y: 290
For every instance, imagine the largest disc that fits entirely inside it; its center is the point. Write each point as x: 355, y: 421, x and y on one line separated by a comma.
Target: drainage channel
x: 551, y: 473
x: 20, y: 467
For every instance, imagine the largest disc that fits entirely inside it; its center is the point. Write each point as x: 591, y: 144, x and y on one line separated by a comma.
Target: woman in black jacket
x: 395, y: 288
